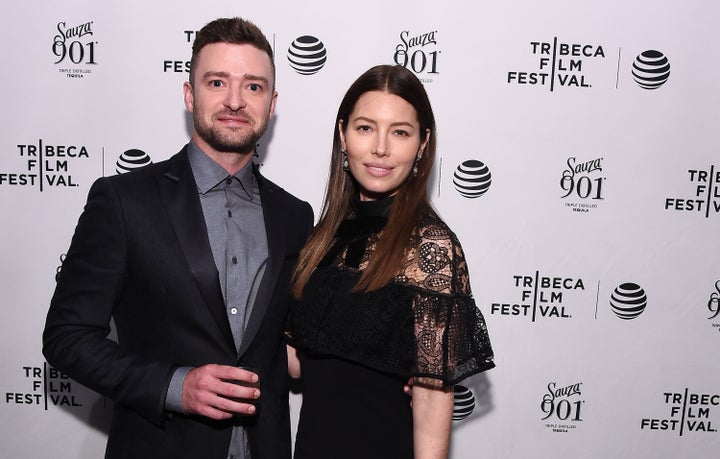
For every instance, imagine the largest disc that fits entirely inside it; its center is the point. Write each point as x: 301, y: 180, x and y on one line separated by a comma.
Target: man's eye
x: 255, y: 87
x: 216, y: 83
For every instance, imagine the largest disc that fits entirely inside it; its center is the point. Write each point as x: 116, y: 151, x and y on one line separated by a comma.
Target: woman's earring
x: 345, y: 163
x: 417, y: 159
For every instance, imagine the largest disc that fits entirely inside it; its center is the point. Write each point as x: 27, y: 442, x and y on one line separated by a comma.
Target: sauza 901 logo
x: 74, y: 45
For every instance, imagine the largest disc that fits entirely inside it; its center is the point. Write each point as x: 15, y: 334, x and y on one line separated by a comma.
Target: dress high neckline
x: 377, y: 208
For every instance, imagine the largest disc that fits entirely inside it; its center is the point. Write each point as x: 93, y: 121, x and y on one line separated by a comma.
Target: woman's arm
x: 293, y: 362
x: 432, y: 419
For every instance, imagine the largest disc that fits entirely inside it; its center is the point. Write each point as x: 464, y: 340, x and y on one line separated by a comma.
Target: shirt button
x: 234, y: 260
x: 228, y: 181
x: 233, y: 311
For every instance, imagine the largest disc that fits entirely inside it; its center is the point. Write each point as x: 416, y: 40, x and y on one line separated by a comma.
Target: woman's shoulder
x: 432, y: 228
x: 434, y: 259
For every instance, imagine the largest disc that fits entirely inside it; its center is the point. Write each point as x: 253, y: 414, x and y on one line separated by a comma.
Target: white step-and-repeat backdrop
x: 579, y: 163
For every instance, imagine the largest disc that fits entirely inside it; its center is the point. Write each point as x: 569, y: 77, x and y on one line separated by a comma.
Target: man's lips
x: 233, y: 120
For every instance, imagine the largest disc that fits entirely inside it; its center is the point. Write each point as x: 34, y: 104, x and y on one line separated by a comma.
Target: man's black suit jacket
x: 141, y: 255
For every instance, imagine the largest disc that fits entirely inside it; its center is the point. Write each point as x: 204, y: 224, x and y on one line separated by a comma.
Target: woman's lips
x: 378, y: 170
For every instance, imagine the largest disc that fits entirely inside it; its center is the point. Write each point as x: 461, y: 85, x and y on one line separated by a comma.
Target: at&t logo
x: 74, y: 45
x: 628, y: 301
x: 651, y: 69
x: 472, y: 179
x: 307, y: 55
x: 417, y: 52
x: 130, y: 160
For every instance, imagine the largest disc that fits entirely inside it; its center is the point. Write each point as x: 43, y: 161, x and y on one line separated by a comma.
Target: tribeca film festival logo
x: 46, y: 386
x: 180, y: 65
x: 540, y: 296
x: 689, y: 412
x: 74, y: 46
x: 472, y: 178
x: 418, y: 52
x: 713, y: 305
x: 558, y: 65
x: 706, y: 199
x: 582, y: 184
x: 561, y: 407
x: 307, y: 55
x: 45, y: 165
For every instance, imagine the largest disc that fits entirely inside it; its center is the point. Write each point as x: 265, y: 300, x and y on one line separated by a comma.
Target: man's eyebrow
x: 221, y: 74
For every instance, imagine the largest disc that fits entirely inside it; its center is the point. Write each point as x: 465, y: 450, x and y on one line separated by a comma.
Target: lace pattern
x: 424, y: 324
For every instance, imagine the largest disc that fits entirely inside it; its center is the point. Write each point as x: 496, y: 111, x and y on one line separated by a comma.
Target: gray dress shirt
x: 236, y: 229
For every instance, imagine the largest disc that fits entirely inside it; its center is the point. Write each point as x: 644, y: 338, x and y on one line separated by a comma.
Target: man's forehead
x: 234, y: 60
x: 234, y: 52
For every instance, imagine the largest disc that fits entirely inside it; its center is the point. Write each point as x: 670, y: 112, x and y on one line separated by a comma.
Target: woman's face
x: 382, y: 138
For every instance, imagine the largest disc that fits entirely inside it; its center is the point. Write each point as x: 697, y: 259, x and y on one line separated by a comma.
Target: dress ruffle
x: 424, y: 323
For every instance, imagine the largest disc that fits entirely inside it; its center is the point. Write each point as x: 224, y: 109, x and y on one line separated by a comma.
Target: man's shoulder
x: 173, y: 167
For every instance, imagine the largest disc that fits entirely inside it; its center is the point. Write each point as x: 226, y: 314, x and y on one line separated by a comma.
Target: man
x: 191, y: 258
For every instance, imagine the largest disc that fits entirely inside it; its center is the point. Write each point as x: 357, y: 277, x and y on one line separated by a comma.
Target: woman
x: 381, y: 289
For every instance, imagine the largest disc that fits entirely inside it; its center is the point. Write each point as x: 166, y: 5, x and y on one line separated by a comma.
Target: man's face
x: 231, y: 98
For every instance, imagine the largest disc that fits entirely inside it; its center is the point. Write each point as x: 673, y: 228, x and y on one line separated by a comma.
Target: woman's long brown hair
x: 342, y: 188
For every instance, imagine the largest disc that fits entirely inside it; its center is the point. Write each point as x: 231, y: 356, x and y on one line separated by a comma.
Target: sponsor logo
x: 74, y: 49
x: 713, y: 306
x: 541, y: 296
x: 130, y: 160
x: 651, y: 69
x: 559, y: 65
x: 628, y: 301
x: 562, y: 406
x: 419, y: 53
x: 45, y: 165
x: 307, y: 55
x: 706, y: 200
x: 472, y: 178
x: 174, y: 65
x: 689, y: 412
x: 464, y: 403
x: 46, y: 387
x: 582, y: 183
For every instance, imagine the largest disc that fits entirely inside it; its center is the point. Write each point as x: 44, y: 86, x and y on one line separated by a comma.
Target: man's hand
x: 209, y: 391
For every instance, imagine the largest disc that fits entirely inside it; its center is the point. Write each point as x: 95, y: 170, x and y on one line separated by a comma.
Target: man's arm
x: 90, y: 284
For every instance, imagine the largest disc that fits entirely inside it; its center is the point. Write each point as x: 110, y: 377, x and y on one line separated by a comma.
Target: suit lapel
x: 179, y: 192
x: 274, y: 227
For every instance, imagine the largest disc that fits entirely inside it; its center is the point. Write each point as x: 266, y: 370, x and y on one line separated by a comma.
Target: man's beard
x: 222, y: 142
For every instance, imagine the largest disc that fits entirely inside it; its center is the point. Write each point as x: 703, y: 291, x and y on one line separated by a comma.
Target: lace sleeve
x: 450, y: 331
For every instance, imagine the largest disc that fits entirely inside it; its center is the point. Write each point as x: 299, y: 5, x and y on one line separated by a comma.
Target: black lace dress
x: 357, y: 350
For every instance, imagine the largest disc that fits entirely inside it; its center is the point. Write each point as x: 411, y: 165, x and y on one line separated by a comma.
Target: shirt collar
x: 208, y: 174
